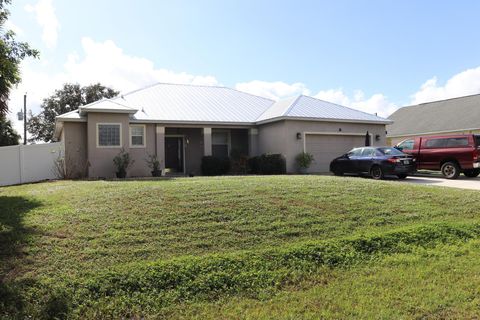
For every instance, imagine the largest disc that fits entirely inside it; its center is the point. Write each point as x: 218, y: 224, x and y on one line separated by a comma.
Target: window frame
x: 98, y: 135
x: 229, y: 140
x: 130, y: 136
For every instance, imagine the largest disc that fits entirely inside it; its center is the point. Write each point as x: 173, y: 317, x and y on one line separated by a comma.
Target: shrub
x: 122, y: 162
x: 154, y: 164
x: 213, y: 166
x: 304, y: 160
x: 268, y: 164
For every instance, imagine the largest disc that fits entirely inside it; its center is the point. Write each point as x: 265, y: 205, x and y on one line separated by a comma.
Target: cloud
x: 376, y: 103
x: 273, y: 90
x: 9, y: 25
x: 464, y: 83
x: 45, y: 14
x: 102, y: 62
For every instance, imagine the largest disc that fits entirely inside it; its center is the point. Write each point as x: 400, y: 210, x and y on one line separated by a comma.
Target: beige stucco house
x: 182, y: 123
x: 451, y: 116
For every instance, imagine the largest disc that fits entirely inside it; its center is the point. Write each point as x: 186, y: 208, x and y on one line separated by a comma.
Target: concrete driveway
x: 462, y: 182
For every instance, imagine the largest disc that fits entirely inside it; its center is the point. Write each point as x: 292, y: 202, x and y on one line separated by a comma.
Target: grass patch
x: 112, y: 249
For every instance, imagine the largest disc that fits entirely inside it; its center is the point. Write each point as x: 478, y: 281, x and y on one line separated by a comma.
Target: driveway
x: 461, y: 182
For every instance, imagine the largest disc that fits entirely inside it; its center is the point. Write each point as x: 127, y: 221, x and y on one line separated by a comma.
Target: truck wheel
x: 471, y: 173
x: 450, y: 170
x: 376, y: 172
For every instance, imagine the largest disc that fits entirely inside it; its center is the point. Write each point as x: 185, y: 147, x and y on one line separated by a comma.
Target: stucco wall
x: 139, y: 154
x: 281, y: 137
x: 74, y: 137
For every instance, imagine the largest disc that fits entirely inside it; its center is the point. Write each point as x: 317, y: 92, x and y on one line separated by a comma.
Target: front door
x: 174, y: 154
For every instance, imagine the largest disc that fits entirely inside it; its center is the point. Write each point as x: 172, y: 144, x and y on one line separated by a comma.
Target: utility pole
x: 25, y: 118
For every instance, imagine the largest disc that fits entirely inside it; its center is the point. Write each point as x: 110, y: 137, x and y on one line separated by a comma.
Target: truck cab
x: 451, y: 154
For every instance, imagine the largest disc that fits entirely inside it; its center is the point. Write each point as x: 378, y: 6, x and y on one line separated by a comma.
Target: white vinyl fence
x: 30, y: 163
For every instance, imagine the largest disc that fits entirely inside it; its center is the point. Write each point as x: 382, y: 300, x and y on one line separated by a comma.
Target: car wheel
x: 376, y: 172
x: 401, y: 176
x: 471, y: 173
x: 450, y: 170
x: 338, y: 173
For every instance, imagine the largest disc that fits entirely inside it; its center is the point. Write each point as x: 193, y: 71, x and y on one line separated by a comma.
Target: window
x: 355, y: 152
x: 457, y: 142
x: 368, y: 152
x: 436, y: 143
x: 390, y: 151
x: 406, y: 145
x: 137, y: 136
x: 109, y: 135
x: 220, y: 144
x: 477, y: 140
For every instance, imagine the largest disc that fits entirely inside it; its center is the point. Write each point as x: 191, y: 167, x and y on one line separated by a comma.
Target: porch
x: 181, y: 149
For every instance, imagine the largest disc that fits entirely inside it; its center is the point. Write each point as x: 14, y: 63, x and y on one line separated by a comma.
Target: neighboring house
x: 451, y: 116
x: 183, y: 123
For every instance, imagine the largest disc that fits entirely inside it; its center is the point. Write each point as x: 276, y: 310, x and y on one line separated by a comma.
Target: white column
x: 207, y: 141
x: 252, y: 142
x: 160, y: 147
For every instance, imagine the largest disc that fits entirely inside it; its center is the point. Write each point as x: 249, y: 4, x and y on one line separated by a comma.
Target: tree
x: 69, y: 98
x: 8, y: 135
x: 12, y: 53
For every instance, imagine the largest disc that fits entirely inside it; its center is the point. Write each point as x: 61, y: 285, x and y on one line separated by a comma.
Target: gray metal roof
x: 169, y: 102
x: 454, y: 114
x: 194, y: 103
x: 313, y: 108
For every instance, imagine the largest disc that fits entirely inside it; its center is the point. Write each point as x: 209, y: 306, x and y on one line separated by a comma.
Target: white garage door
x: 325, y: 148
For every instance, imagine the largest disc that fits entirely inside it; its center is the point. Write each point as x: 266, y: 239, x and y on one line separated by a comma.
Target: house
x: 450, y: 116
x: 183, y: 123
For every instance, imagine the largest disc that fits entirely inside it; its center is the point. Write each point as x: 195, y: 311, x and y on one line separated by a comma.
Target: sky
x: 375, y: 56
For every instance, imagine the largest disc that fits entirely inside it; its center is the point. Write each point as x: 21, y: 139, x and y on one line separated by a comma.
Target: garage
x: 325, y: 148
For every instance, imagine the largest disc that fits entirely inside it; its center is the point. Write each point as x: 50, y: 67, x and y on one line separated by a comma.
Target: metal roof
x: 213, y: 104
x: 454, y: 114
x: 313, y: 108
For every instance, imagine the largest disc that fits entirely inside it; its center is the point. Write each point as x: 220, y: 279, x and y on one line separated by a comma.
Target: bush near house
x: 213, y: 166
x: 268, y: 164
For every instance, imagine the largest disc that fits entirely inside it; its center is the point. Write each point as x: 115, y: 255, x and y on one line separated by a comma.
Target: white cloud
x: 273, y: 90
x: 461, y: 84
x: 377, y: 103
x: 45, y: 14
x: 102, y: 62
x: 9, y: 25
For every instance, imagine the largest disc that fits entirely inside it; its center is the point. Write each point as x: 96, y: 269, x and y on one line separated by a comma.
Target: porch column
x: 252, y: 142
x: 207, y: 141
x: 160, y: 147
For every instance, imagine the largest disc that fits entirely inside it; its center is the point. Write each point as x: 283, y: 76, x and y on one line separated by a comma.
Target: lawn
x: 238, y: 247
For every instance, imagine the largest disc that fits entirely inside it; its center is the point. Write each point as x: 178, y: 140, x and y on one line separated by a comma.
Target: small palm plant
x: 304, y: 160
x: 154, y: 164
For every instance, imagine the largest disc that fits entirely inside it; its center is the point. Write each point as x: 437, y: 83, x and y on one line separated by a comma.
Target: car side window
x: 368, y: 152
x: 406, y: 145
x: 355, y: 152
x: 436, y: 143
x: 457, y: 142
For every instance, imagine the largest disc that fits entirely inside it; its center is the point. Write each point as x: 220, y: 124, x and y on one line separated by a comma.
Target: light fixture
x: 299, y: 136
x: 377, y: 137
x: 339, y: 129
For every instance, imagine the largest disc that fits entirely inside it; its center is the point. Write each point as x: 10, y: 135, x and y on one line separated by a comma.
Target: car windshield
x: 390, y: 151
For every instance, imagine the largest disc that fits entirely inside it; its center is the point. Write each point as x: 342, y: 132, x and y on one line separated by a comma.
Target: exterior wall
x: 140, y: 154
x: 391, y: 141
x: 74, y: 137
x: 101, y: 159
x: 271, y: 138
x: 281, y: 137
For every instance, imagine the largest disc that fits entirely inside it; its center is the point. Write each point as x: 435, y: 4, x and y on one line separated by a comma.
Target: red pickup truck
x: 452, y: 154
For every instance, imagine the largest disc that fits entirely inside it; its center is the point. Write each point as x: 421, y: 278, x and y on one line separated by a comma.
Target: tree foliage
x: 12, y: 53
x: 8, y: 135
x: 69, y: 98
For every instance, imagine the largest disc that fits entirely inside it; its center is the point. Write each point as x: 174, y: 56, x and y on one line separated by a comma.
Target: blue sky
x: 370, y: 55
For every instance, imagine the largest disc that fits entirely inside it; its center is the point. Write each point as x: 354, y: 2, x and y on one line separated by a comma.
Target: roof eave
x: 324, y: 120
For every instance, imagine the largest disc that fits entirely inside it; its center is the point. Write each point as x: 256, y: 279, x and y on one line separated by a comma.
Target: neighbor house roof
x: 178, y: 103
x: 449, y: 115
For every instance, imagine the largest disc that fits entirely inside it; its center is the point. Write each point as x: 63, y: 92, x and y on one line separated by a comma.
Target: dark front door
x: 174, y: 153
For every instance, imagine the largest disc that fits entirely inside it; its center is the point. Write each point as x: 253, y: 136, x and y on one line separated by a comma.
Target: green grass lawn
x: 239, y: 247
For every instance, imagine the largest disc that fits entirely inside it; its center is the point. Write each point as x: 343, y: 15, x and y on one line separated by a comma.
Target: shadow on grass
x: 14, y: 235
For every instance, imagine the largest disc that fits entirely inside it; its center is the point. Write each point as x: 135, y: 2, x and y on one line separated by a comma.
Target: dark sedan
x: 375, y: 161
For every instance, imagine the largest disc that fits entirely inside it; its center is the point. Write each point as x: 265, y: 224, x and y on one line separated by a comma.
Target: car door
x: 351, y: 166
x: 364, y: 162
